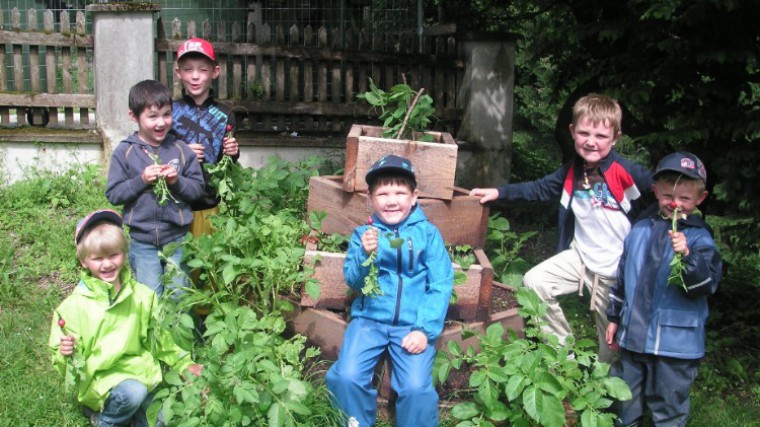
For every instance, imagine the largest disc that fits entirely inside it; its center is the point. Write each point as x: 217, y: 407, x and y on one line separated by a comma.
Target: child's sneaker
x: 91, y: 415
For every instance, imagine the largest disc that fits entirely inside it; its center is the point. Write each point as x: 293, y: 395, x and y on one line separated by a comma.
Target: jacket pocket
x: 680, y: 332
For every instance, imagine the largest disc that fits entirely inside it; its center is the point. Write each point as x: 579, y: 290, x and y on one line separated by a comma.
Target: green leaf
x: 514, y: 386
x: 465, y: 410
x: 276, y: 415
x: 617, y: 388
x: 312, y: 289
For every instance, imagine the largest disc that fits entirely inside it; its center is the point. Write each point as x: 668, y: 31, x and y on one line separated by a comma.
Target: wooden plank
x: 35, y: 83
x: 52, y: 136
x: 18, y: 69
x: 317, y: 108
x: 82, y: 71
x: 48, y: 100
x: 434, y: 162
x: 322, y: 76
x: 66, y: 69
x: 5, y: 116
x: 50, y: 63
x: 308, y: 76
x: 53, y: 116
x: 68, y: 116
x: 463, y: 220
x: 84, y: 116
x: 237, y: 78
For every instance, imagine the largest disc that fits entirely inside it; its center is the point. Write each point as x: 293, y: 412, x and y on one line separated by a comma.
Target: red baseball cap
x: 197, y: 45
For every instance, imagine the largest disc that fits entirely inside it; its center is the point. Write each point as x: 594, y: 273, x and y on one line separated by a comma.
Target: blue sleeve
x: 704, y: 268
x: 547, y: 188
x: 123, y: 185
x: 190, y: 185
x: 440, y: 283
x: 353, y: 271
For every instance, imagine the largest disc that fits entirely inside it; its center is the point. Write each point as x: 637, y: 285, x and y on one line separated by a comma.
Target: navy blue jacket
x: 207, y: 125
x: 416, y: 279
x: 654, y: 317
x: 148, y: 222
x: 627, y: 181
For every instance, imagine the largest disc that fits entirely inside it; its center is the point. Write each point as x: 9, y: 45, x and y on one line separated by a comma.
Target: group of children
x: 651, y: 331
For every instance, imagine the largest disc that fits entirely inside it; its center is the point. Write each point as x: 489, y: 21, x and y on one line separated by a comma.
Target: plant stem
x: 409, y: 113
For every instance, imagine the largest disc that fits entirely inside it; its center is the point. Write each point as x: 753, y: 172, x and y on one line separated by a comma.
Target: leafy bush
x: 503, y: 247
x: 527, y: 381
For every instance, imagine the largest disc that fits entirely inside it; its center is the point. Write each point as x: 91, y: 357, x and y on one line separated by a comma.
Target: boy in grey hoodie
x: 155, y: 176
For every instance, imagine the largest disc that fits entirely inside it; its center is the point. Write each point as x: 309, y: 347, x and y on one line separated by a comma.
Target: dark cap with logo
x: 390, y: 163
x: 685, y: 163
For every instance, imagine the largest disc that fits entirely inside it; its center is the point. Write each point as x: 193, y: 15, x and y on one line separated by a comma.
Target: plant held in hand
x: 221, y: 178
x: 371, y: 286
x: 161, y: 189
x: 677, y: 266
x: 74, y: 363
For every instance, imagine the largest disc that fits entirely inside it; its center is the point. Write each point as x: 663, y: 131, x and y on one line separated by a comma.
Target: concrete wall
x: 17, y: 159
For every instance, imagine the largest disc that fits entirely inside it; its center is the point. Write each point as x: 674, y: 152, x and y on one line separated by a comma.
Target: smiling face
x: 593, y: 141
x: 196, y: 74
x: 153, y: 123
x: 685, y: 194
x: 105, y: 266
x: 392, y: 201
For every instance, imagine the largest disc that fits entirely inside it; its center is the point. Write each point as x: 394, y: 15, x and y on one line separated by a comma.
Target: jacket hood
x: 135, y: 140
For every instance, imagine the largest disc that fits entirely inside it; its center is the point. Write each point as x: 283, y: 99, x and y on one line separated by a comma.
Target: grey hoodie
x: 148, y: 222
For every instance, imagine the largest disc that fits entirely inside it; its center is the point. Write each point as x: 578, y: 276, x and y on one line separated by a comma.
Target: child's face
x: 196, y: 75
x: 593, y: 142
x: 392, y: 202
x: 153, y: 123
x: 687, y: 194
x: 105, y: 266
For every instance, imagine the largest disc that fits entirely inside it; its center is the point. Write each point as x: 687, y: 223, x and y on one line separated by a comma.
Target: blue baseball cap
x: 390, y: 163
x: 101, y: 215
x: 685, y: 163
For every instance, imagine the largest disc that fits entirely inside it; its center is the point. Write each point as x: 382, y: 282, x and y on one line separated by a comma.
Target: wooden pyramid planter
x: 461, y: 220
x: 473, y: 296
x: 434, y: 162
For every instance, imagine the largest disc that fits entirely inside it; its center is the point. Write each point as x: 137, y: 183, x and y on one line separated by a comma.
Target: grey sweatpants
x: 560, y: 275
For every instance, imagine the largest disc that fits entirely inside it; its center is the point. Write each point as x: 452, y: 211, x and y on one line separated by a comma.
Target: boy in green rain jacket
x: 107, y: 323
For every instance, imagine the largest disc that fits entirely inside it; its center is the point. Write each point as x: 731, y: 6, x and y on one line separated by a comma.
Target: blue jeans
x: 149, y: 269
x: 350, y: 377
x: 126, y: 406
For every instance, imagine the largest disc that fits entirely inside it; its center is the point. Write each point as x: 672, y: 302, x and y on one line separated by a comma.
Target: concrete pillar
x: 487, y: 97
x: 123, y: 35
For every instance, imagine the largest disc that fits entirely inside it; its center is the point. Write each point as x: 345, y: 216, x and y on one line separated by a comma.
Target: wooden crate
x: 434, y: 162
x: 461, y: 221
x: 473, y: 296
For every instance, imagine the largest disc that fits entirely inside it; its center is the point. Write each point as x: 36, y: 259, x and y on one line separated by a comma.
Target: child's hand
x: 169, y: 173
x: 678, y: 240
x: 609, y: 336
x: 230, y: 146
x: 415, y: 343
x: 369, y: 240
x: 200, y: 153
x: 67, y: 345
x: 485, y: 194
x: 151, y: 173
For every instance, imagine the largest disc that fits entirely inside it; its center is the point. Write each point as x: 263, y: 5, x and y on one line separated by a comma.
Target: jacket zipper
x: 411, y: 254
x: 400, y: 286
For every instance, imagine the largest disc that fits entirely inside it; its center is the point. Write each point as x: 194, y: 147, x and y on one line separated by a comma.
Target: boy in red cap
x: 204, y: 124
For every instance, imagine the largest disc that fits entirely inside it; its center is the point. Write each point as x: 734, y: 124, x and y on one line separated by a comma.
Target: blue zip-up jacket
x: 627, y: 182
x: 652, y: 316
x: 204, y: 124
x: 416, y: 279
x: 148, y: 222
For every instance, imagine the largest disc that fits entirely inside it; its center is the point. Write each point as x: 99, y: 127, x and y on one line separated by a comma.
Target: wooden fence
x: 306, y: 80
x: 66, y: 83
x: 276, y: 79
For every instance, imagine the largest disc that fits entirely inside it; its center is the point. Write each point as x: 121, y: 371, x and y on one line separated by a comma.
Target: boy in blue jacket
x: 600, y: 195
x: 657, y: 317
x: 147, y: 161
x: 404, y: 310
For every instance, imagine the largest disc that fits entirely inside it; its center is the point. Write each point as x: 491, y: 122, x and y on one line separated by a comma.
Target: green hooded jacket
x: 114, y: 335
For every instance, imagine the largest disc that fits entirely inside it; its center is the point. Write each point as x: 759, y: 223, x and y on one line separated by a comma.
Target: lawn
x: 37, y: 268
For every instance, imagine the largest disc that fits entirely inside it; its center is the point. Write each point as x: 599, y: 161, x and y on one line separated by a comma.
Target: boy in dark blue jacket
x: 405, y: 296
x: 148, y: 160
x: 657, y: 311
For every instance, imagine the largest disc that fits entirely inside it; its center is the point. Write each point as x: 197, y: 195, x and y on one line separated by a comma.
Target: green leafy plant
x: 160, y: 188
x: 528, y: 381
x: 371, y: 286
x: 403, y: 111
x: 677, y: 266
x: 75, y: 369
x: 220, y: 173
x: 503, y: 247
